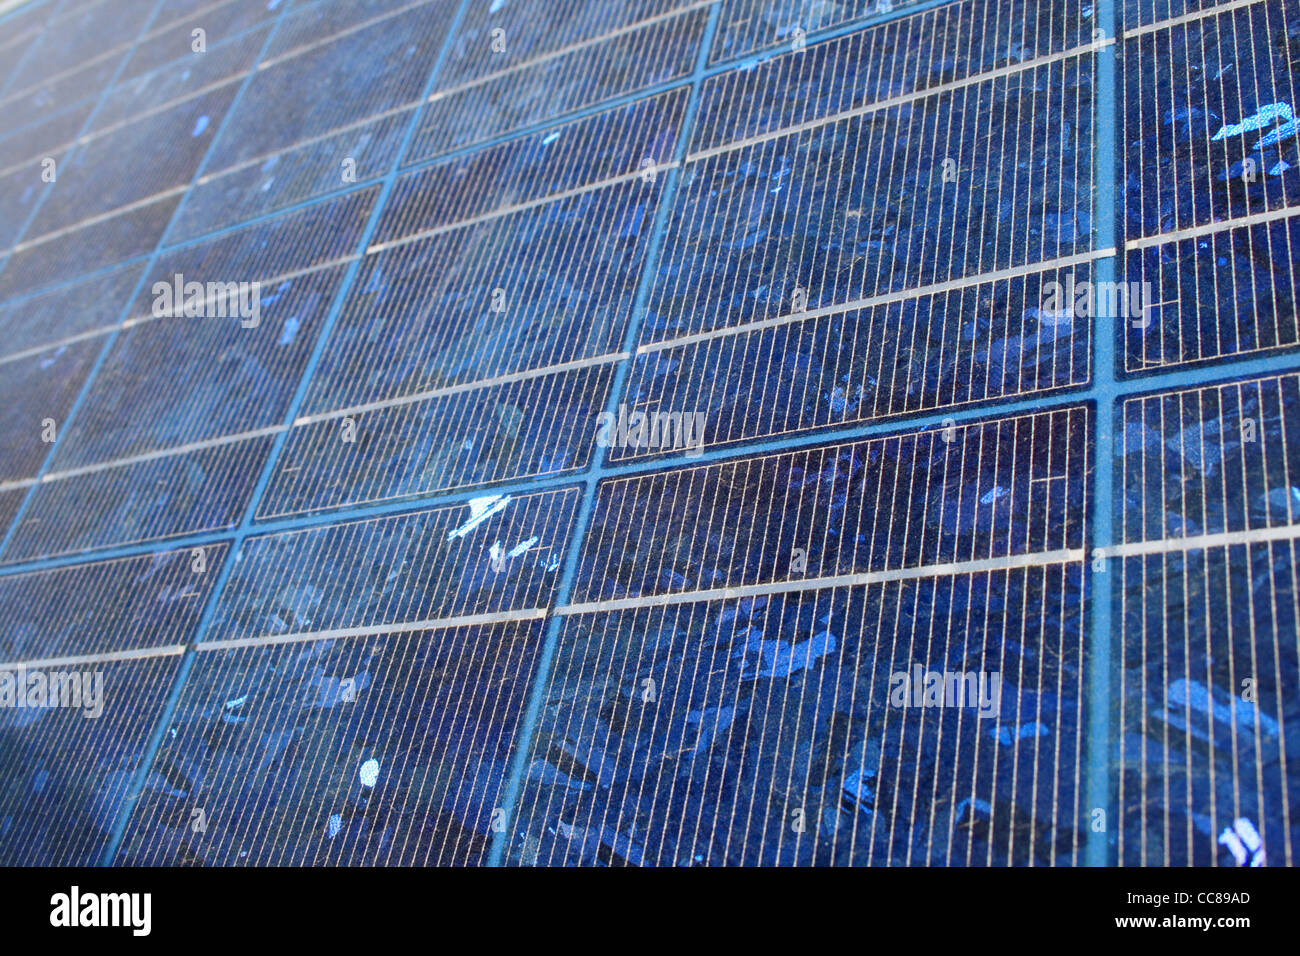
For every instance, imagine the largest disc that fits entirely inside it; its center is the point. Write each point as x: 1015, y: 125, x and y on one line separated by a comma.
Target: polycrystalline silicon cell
x: 68, y: 774
x: 546, y: 88
x: 274, y: 740
x: 73, y: 310
x: 30, y: 143
x: 1230, y: 292
x: 489, y: 555
x: 170, y: 43
x: 183, y: 76
x: 456, y: 438
x: 390, y: 749
x: 223, y: 374
x: 295, y: 174
x: 639, y: 138
x: 764, y: 731
x: 125, y: 166
x: 101, y: 31
x: 219, y: 378
x: 1212, y: 460
x: 1209, y: 138
x: 1208, y: 721
x: 105, y: 607
x: 140, y: 500
x: 862, y: 206
x: 1207, y: 111
x: 531, y: 31
x: 976, y: 343
x: 898, y: 59
x: 88, y: 247
x: 1210, y: 134
x: 526, y: 291
x: 24, y: 107
x: 10, y: 501
x: 758, y: 729
x: 69, y: 768
x: 982, y: 490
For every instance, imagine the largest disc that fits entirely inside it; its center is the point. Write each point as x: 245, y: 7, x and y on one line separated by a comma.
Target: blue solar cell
x: 770, y: 730
x: 511, y: 98
x: 107, y: 607
x: 385, y: 750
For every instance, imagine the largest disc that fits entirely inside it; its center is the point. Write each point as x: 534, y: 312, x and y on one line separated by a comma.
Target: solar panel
x: 684, y: 432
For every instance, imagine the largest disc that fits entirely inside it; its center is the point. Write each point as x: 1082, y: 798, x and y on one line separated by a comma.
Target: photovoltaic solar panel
x: 681, y: 432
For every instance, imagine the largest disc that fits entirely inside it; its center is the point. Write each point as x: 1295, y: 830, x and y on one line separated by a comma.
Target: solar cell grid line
x: 423, y: 711
x: 1100, y: 790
